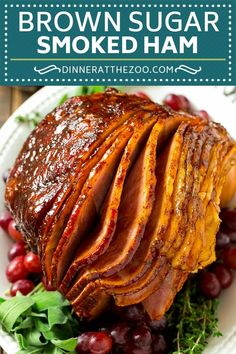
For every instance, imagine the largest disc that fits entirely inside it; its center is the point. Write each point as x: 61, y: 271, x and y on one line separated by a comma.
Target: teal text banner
x: 123, y: 42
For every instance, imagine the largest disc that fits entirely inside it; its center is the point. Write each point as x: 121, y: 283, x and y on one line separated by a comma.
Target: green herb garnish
x: 41, y: 322
x: 89, y: 90
x: 32, y: 118
x: 63, y: 99
x: 191, y: 320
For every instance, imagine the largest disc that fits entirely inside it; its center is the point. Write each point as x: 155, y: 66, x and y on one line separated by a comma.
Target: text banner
x: 120, y: 42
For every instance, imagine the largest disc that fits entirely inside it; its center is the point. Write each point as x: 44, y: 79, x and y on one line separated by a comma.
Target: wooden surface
x: 11, y: 98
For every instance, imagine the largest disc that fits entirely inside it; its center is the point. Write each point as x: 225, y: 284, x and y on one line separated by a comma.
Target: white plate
x: 13, y: 134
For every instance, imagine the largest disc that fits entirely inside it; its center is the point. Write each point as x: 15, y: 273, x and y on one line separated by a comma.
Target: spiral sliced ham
x: 99, y: 239
x: 120, y: 196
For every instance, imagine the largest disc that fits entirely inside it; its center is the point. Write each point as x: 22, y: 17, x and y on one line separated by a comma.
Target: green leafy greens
x: 41, y: 322
x: 191, y: 320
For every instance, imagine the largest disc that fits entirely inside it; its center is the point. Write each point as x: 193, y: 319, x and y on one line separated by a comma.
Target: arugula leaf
x: 41, y: 325
x: 39, y: 315
x: 41, y: 322
x: 21, y: 341
x: 44, y: 300
x: 61, y: 332
x: 31, y: 350
x: 34, y: 338
x: 22, y: 324
x: 67, y: 344
x: 11, y: 309
x: 54, y: 350
x: 56, y: 316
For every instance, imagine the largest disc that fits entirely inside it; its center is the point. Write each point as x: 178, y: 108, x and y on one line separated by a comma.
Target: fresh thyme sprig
x: 191, y: 320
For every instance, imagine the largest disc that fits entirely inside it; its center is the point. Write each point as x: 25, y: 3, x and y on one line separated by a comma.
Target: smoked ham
x: 120, y: 197
x: 97, y: 243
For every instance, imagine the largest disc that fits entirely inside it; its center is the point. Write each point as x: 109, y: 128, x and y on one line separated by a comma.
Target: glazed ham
x: 120, y: 197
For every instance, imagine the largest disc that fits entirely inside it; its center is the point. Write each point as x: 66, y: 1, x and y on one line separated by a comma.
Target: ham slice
x: 191, y: 257
x: 53, y: 231
x: 87, y: 207
x: 159, y: 268
x: 183, y: 194
x: 55, y: 221
x: 133, y: 214
x: 187, y: 257
x: 94, y: 306
x: 98, y: 241
x: 211, y: 202
x: 160, y: 301
x: 163, y: 135
x: 195, y: 208
x: 144, y: 255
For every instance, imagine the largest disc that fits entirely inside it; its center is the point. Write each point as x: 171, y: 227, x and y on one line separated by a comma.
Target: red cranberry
x: 222, y: 240
x: 228, y: 217
x: 204, y: 115
x: 83, y: 342
x: 100, y: 343
x: 142, y: 95
x: 120, y: 332
x: 229, y: 257
x: 12, y: 230
x: 185, y: 104
x: 24, y: 286
x: 224, y: 275
x: 141, y: 337
x: 16, y: 269
x: 133, y: 313
x: 5, y: 175
x: 159, y: 344
x: 173, y: 102
x: 158, y: 325
x: 177, y: 102
x: 210, y: 285
x: 32, y: 263
x: 17, y: 249
x: 5, y: 219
